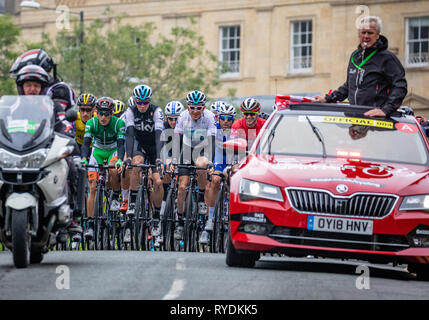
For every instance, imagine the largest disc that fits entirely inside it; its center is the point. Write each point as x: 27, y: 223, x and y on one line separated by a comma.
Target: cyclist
x: 226, y: 115
x: 144, y: 124
x: 86, y: 103
x: 196, y: 129
x: 108, y: 133
x: 249, y: 126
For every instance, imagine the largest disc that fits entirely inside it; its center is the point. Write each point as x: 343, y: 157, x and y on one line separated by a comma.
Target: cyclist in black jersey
x: 144, y: 124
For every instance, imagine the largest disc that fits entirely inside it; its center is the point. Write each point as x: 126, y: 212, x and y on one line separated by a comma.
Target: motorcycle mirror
x: 71, y: 115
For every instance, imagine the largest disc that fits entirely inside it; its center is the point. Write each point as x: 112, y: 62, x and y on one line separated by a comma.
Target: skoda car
x: 325, y: 180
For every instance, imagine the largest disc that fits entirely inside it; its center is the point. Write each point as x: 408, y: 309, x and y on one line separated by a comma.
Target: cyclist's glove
x: 84, y: 162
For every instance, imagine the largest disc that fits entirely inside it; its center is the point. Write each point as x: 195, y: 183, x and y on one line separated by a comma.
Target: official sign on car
x: 356, y: 226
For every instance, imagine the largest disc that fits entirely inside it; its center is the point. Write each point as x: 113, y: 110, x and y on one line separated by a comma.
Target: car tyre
x: 239, y: 259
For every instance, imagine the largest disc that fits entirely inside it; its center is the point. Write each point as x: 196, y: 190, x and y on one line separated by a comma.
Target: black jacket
x: 380, y: 83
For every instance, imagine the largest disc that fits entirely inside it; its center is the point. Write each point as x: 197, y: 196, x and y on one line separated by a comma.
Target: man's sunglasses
x: 226, y: 118
x: 196, y: 108
x: 85, y: 109
x: 142, y: 103
x: 252, y: 114
x: 104, y: 113
x: 171, y: 119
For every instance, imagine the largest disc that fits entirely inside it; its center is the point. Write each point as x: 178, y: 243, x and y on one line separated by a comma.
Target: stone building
x: 273, y: 46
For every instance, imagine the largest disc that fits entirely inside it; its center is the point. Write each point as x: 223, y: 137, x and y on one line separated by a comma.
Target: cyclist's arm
x: 159, y: 127
x: 87, y: 139
x: 121, y: 139
x: 130, y: 129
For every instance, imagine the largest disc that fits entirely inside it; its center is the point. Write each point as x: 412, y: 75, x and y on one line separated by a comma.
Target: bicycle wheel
x: 98, y: 215
x: 216, y: 224
x: 190, y: 223
x: 138, y: 224
x: 168, y: 225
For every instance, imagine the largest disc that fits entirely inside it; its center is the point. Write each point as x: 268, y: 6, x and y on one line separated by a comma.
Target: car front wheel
x: 235, y: 258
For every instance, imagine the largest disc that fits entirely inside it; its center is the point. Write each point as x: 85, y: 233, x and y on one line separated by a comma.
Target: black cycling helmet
x: 105, y: 104
x: 32, y: 73
x: 38, y: 57
x: 86, y: 99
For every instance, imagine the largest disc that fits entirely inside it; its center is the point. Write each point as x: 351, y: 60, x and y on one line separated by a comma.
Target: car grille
x: 356, y: 205
x: 375, y: 242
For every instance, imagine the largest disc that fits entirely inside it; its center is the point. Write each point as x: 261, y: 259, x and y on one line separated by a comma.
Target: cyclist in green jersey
x: 108, y: 133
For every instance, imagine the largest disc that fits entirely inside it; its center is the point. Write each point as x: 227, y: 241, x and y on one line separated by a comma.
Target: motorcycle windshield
x: 25, y: 121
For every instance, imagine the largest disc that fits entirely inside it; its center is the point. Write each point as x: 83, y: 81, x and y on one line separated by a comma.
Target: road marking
x: 176, y: 289
x: 180, y: 264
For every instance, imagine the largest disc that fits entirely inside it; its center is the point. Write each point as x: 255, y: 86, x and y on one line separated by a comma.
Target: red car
x: 325, y: 180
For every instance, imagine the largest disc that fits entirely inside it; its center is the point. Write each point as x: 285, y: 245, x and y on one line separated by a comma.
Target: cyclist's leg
x: 114, y: 182
x: 203, y: 185
x: 125, y: 189
x: 92, y: 182
x: 138, y: 158
x: 212, y: 195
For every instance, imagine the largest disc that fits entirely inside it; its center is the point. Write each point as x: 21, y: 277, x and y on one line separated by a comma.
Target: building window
x: 417, y: 42
x: 230, y: 50
x: 301, y: 46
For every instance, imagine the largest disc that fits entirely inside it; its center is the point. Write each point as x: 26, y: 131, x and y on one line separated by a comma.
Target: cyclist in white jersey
x: 196, y: 128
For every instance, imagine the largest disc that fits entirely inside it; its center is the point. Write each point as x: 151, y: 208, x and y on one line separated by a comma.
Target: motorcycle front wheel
x: 21, y: 239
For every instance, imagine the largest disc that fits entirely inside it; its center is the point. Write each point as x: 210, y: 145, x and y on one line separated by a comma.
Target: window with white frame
x: 417, y: 37
x: 229, y: 53
x: 301, y: 46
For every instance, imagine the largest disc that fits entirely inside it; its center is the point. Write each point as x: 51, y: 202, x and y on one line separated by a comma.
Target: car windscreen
x: 344, y: 136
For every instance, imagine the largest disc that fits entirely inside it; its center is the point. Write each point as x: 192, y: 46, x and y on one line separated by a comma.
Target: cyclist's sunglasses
x: 142, y: 103
x: 226, y: 118
x: 85, y: 109
x: 172, y: 118
x: 252, y: 114
x: 196, y: 108
x: 104, y: 113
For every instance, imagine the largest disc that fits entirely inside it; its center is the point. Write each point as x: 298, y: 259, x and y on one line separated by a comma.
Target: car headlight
x: 251, y: 190
x: 420, y: 202
x: 26, y: 161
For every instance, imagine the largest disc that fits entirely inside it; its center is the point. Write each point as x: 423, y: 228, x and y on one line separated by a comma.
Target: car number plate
x: 355, y: 226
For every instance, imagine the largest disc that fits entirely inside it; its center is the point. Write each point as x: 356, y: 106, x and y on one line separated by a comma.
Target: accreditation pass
x: 356, y: 226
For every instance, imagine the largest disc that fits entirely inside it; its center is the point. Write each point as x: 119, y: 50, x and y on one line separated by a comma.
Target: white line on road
x: 178, y: 284
x: 176, y: 289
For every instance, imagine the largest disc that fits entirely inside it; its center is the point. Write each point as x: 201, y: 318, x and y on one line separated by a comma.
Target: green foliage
x: 8, y: 41
x: 118, y: 56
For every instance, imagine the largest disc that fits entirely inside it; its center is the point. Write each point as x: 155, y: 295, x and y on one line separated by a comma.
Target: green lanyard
x: 364, y: 61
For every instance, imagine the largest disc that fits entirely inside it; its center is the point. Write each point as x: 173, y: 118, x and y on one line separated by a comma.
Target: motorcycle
x: 33, y: 177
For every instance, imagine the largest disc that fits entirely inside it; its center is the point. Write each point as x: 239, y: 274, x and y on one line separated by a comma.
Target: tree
x: 117, y: 57
x: 8, y: 41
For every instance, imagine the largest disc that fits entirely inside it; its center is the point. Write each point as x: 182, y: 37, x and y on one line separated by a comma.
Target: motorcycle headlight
x: 26, y: 161
x: 420, y: 202
x: 251, y: 190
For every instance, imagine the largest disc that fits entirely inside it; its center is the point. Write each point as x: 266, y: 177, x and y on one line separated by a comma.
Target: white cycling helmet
x: 228, y: 109
x: 174, y: 109
x: 215, y: 106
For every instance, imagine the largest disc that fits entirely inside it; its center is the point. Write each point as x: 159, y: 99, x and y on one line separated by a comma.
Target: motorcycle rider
x: 34, y: 80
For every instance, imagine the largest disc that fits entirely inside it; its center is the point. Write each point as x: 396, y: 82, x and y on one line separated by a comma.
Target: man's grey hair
x: 368, y: 19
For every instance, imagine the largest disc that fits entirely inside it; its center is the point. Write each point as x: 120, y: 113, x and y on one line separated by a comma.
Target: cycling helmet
x: 250, y: 105
x: 142, y: 92
x: 87, y: 99
x: 63, y: 93
x: 105, y: 104
x: 37, y: 57
x: 131, y: 103
x: 119, y: 108
x: 174, y: 109
x: 196, y: 97
x: 407, y: 110
x: 215, y: 106
x: 32, y: 73
x: 225, y: 108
